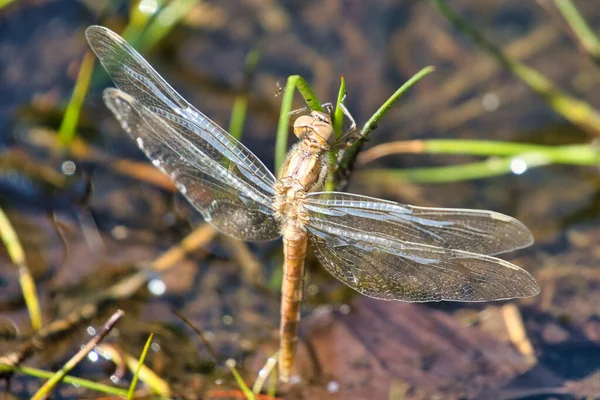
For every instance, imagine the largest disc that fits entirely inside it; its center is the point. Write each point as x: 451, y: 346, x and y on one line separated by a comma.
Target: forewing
x: 134, y: 76
x: 388, y: 258
x: 474, y: 231
x: 214, y: 187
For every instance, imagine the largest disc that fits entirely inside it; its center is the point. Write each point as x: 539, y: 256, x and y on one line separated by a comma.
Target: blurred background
x: 89, y: 210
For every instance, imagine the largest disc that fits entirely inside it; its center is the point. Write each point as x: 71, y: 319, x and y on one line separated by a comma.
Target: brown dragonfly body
x: 305, y: 170
x: 382, y: 249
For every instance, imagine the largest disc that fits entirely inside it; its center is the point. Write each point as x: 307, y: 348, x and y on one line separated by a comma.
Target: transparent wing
x: 134, y: 76
x: 380, y: 259
x: 215, y: 187
x: 474, y: 231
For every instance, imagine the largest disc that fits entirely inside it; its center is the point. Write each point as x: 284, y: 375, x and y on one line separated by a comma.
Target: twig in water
x: 44, y: 391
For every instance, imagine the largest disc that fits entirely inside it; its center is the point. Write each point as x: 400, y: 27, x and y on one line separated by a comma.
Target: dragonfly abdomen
x: 295, y: 242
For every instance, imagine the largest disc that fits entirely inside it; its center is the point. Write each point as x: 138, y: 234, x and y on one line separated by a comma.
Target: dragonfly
x: 382, y: 249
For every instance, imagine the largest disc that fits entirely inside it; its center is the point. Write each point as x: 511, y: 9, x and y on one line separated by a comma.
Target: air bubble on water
x: 68, y: 168
x: 333, y: 387
x: 91, y: 330
x: 230, y: 363
x: 92, y: 356
x: 119, y: 232
x: 140, y: 142
x: 157, y: 287
x: 518, y: 166
x: 157, y: 163
x: 490, y: 101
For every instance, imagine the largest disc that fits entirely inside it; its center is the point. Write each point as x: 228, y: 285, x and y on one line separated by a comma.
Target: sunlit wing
x: 474, y: 231
x: 395, y: 252
x: 228, y: 184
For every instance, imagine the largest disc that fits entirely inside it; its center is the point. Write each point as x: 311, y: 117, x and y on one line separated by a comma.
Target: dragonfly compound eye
x: 315, y: 127
x: 322, y: 128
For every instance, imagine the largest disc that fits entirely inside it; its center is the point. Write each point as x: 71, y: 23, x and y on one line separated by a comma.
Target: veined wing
x: 474, y: 231
x: 214, y: 187
x: 388, y: 262
x: 134, y: 76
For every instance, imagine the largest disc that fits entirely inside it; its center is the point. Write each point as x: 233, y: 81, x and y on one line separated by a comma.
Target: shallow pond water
x: 85, y: 232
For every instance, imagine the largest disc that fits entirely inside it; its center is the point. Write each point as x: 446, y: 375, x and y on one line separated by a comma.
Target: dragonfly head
x: 316, y: 128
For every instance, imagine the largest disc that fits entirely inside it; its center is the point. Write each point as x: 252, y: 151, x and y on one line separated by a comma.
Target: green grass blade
x: 264, y: 373
x: 49, y: 385
x: 578, y: 112
x: 281, y: 143
x: 238, y: 116
x: 342, y: 173
x: 338, y: 123
x: 71, y: 380
x: 582, y: 30
x: 375, y: 118
x: 4, y: 3
x: 571, y: 154
x: 283, y: 128
x: 139, y: 367
x: 17, y: 256
x: 238, y: 378
x: 535, y: 156
x: 338, y: 116
x: 141, y: 13
x: 66, y: 132
x: 164, y: 21
x: 453, y: 173
x: 307, y: 93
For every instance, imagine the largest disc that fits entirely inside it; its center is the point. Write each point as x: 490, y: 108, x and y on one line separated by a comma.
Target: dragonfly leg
x: 294, y: 114
x: 329, y: 109
x: 351, y: 135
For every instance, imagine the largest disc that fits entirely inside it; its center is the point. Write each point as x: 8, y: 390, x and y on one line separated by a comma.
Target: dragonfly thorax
x: 289, y: 202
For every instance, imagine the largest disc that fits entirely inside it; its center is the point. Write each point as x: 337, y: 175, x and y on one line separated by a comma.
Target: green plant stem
x: 531, y: 155
x: 4, y: 3
x: 139, y: 367
x: 238, y: 378
x: 572, y: 154
x: 281, y: 144
x: 582, y: 30
x: 49, y: 385
x: 578, y: 112
x: 375, y: 118
x: 164, y: 21
x: 26, y: 281
x: 66, y: 132
x: 338, y: 123
x: 264, y: 373
x: 38, y: 373
x: 238, y: 116
x: 338, y: 116
x: 346, y: 164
